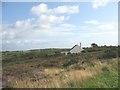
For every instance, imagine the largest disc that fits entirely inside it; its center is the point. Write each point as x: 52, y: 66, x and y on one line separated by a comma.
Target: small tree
x: 94, y: 45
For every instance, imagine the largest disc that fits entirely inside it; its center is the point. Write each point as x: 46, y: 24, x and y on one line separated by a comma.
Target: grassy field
x: 48, y: 68
x: 108, y: 78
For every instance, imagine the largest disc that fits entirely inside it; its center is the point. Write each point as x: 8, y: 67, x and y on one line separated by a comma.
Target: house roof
x: 73, y: 47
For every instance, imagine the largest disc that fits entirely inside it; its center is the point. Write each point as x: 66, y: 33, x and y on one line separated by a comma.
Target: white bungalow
x: 76, y: 49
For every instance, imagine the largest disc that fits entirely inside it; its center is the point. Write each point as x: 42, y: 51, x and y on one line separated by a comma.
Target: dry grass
x: 53, y: 71
x: 59, y: 78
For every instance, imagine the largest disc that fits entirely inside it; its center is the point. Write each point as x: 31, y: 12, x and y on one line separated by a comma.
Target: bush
x: 105, y: 69
x: 110, y: 54
x: 70, y: 62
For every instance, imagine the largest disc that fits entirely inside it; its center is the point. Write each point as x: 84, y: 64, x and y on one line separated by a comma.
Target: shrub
x: 105, y: 69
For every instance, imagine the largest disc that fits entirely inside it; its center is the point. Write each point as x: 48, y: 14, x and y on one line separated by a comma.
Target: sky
x: 39, y: 25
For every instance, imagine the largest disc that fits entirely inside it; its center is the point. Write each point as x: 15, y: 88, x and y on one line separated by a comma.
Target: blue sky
x: 34, y: 25
x: 21, y: 10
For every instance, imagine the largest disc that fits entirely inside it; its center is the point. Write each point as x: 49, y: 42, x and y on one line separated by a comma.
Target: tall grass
x: 59, y: 78
x: 107, y: 79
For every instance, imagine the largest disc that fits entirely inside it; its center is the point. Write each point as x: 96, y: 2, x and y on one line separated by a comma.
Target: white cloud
x: 45, y: 25
x: 43, y: 9
x: 100, y: 25
x: 65, y: 9
x: 50, y: 19
x: 92, y: 22
x: 8, y: 34
x: 40, y: 9
x: 65, y: 25
x: 32, y: 37
x: 50, y: 25
x: 105, y: 27
x: 98, y: 3
x: 23, y: 23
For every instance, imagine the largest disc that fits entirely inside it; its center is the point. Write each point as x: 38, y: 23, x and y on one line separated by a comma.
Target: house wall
x: 76, y: 49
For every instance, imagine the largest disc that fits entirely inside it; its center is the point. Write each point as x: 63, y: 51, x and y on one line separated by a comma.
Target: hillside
x: 49, y: 68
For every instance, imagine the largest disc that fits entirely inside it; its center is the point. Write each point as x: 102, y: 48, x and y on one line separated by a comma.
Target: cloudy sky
x: 34, y: 25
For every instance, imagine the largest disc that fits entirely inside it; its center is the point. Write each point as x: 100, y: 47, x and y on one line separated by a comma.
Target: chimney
x: 80, y: 44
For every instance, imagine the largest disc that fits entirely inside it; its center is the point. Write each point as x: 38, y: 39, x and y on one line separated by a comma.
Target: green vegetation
x: 108, y: 78
x: 105, y: 80
x: 93, y: 67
